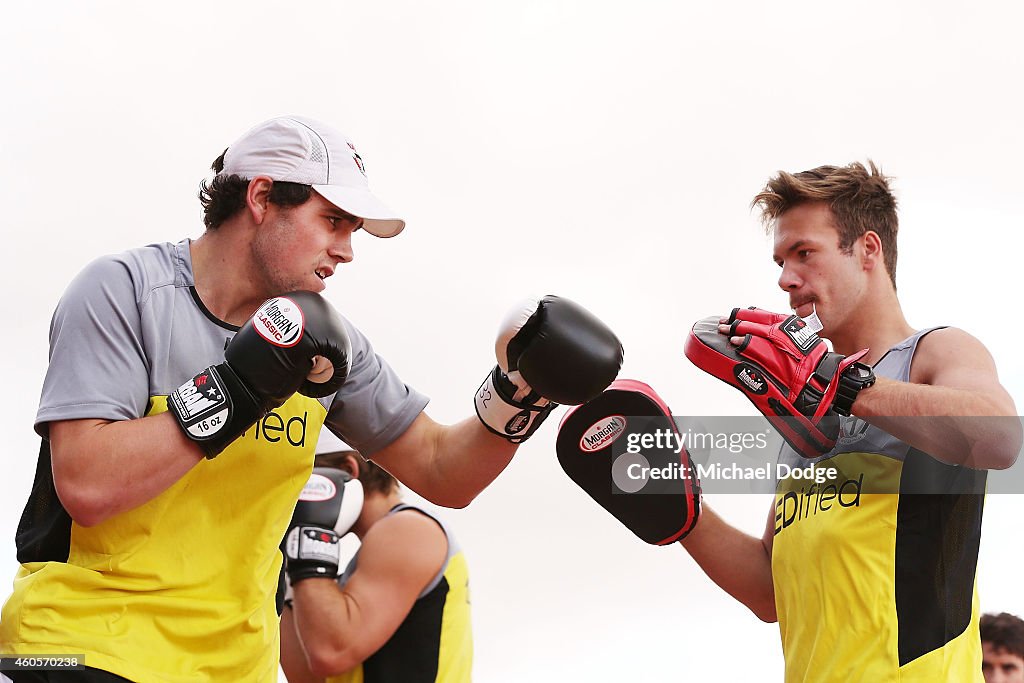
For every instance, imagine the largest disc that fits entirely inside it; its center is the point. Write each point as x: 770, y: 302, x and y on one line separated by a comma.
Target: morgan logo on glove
x: 518, y: 423
x: 802, y: 334
x: 279, y: 321
x: 318, y: 488
x: 751, y: 378
x: 603, y: 433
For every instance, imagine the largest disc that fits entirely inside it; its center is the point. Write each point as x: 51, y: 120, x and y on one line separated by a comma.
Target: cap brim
x: 378, y: 219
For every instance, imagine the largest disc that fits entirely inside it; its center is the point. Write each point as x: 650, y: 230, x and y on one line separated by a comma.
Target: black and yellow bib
x: 182, y: 588
x: 874, y: 571
x: 434, y: 644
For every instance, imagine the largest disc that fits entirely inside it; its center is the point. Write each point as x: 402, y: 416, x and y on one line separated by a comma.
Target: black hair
x: 224, y: 195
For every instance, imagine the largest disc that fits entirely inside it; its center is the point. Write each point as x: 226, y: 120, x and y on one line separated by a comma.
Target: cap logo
x: 279, y: 321
x: 603, y: 433
x: 318, y: 488
x: 358, y: 159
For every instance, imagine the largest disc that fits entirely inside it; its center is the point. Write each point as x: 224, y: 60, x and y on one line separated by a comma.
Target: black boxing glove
x: 328, y: 506
x: 272, y: 356
x: 552, y: 351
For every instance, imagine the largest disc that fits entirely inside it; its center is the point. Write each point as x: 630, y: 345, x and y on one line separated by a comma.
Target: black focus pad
x: 592, y: 450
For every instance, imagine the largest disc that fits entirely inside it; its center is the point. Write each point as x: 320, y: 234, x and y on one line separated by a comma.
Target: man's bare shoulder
x: 951, y: 357
x: 950, y: 347
x: 408, y: 536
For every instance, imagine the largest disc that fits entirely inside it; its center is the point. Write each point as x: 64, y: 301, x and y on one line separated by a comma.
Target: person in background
x: 399, y: 611
x: 1002, y: 648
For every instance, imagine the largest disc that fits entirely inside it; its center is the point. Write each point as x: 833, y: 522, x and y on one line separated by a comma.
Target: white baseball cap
x: 296, y: 149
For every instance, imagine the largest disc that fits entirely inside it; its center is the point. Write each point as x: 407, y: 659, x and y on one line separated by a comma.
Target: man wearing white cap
x: 149, y: 547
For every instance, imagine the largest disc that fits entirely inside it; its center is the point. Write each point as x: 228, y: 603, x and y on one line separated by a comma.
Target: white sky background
x: 602, y: 151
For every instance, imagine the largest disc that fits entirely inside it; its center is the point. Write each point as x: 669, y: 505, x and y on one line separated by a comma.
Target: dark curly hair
x: 224, y: 195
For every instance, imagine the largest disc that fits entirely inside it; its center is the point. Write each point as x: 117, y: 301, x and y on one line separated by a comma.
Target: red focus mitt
x: 592, y: 449
x: 787, y: 372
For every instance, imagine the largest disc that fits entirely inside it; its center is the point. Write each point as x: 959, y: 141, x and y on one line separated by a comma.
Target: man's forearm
x: 103, y: 468
x: 446, y: 464
x: 327, y: 621
x: 468, y: 458
x: 739, y: 563
x: 956, y: 426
